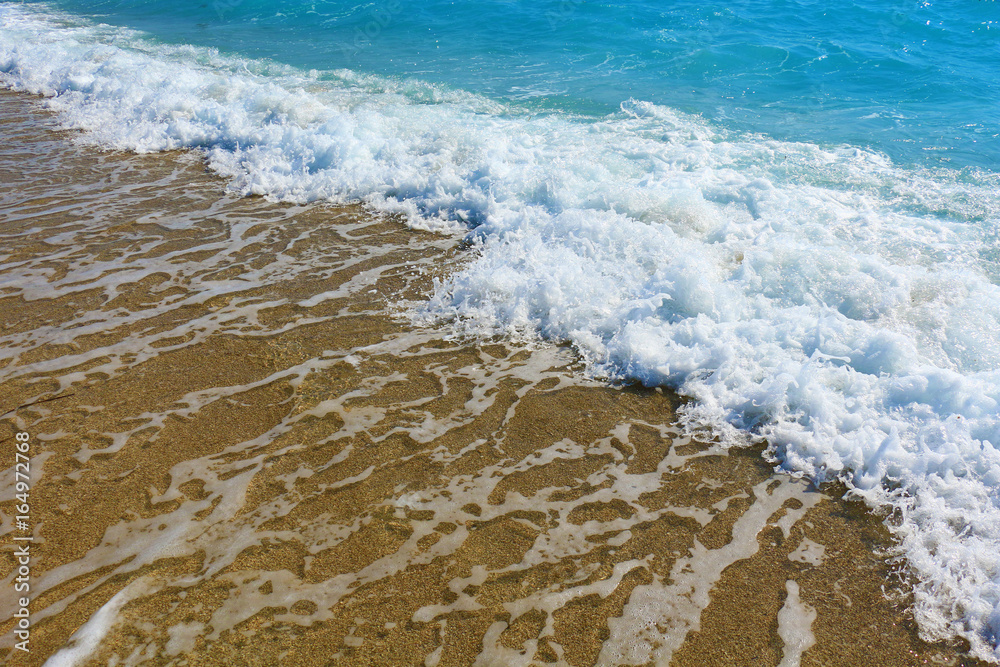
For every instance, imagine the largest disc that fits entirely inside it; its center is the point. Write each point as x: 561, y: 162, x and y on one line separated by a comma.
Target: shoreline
x: 256, y: 458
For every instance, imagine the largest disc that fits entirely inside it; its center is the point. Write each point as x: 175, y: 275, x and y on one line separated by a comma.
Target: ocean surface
x: 786, y: 211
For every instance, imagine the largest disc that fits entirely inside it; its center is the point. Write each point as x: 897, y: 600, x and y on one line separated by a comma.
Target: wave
x: 840, y: 307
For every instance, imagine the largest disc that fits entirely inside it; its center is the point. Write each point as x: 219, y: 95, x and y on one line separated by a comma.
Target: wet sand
x: 245, y: 451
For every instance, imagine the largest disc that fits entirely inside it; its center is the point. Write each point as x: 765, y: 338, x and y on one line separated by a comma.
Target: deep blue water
x: 919, y: 81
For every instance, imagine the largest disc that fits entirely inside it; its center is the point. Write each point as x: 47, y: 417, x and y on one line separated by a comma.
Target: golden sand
x: 245, y: 452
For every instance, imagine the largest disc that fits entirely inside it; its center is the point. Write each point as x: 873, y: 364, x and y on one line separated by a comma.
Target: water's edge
x: 254, y: 454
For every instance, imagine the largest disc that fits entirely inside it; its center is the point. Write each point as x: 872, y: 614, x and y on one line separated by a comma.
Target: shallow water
x: 253, y: 456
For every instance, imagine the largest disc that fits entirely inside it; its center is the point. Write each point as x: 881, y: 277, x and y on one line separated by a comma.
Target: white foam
x: 808, y: 552
x: 843, y: 308
x: 659, y: 616
x: 88, y: 637
x: 795, y: 621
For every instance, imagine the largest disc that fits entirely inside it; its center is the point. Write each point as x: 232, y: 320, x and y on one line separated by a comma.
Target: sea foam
x: 844, y: 309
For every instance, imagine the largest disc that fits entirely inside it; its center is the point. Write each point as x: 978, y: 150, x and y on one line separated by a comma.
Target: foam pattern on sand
x: 842, y: 307
x: 251, y: 436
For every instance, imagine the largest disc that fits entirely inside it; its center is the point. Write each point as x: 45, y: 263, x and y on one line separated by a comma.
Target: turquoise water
x: 788, y: 212
x: 916, y: 80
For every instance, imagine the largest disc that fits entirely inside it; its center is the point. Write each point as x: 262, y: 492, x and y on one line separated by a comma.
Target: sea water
x: 786, y: 211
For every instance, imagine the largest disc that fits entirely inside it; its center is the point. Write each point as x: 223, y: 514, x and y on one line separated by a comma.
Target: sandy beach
x: 246, y: 450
